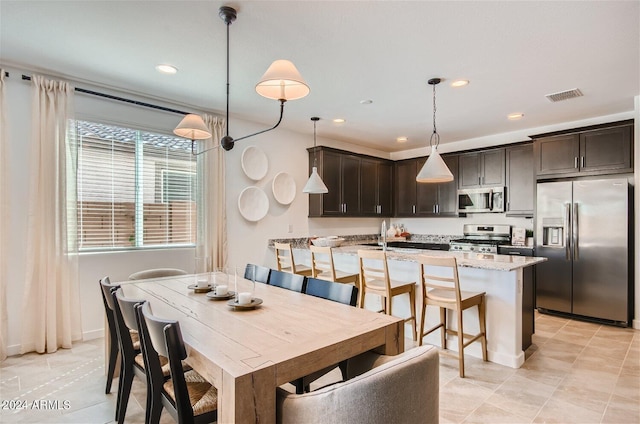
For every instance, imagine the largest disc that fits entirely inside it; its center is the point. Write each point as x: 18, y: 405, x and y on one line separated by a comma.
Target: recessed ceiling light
x: 515, y: 116
x: 366, y: 102
x: 459, y: 83
x: 166, y: 69
x: 339, y: 121
x: 401, y: 139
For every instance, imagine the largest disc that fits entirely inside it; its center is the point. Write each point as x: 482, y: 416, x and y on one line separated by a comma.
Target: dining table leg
x: 250, y: 398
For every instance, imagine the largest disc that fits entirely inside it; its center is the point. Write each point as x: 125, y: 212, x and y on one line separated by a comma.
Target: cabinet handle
x: 345, y: 208
x: 582, y: 162
x: 479, y: 180
x: 575, y: 162
x: 433, y: 209
x: 437, y: 208
x: 414, y: 209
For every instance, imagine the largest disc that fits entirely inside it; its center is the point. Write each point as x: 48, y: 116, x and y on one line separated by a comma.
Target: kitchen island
x: 506, y: 280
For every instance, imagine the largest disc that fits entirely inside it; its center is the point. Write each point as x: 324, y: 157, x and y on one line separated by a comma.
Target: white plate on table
x: 254, y: 163
x: 214, y: 296
x: 254, y: 302
x: 253, y: 204
x: 284, y: 188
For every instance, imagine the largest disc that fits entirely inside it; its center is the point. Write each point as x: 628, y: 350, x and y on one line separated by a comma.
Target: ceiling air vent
x: 564, y: 95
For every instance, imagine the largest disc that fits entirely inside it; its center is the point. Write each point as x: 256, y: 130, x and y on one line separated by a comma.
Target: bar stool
x: 444, y: 292
x: 375, y: 280
x: 284, y: 258
x: 322, y: 267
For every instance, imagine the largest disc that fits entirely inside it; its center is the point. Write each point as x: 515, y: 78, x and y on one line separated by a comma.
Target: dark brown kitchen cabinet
x: 376, y: 187
x: 415, y: 199
x: 520, y: 178
x: 481, y: 169
x: 358, y: 185
x: 604, y: 149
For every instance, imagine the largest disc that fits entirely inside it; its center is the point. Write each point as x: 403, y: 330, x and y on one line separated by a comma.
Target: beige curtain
x: 4, y: 219
x: 51, y: 305
x: 212, y: 219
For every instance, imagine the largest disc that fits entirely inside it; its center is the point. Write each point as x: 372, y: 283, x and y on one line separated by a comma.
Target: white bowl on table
x: 327, y: 241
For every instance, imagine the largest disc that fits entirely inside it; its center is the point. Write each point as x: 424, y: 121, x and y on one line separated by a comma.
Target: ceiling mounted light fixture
x: 315, y: 185
x: 281, y: 82
x: 434, y: 169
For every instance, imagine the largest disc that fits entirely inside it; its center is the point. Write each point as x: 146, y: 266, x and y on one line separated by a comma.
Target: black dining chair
x: 259, y: 273
x: 113, y: 348
x: 337, y: 292
x: 132, y: 364
x: 287, y: 280
x: 187, y: 396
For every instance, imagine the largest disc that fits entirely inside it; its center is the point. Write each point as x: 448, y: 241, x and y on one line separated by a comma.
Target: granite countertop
x: 471, y: 260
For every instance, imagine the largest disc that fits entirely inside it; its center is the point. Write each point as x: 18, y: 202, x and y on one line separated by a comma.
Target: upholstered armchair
x: 396, y: 389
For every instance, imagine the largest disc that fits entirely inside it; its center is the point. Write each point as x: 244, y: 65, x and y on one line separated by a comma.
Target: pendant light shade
x: 282, y: 81
x: 315, y: 185
x: 434, y: 169
x: 192, y: 127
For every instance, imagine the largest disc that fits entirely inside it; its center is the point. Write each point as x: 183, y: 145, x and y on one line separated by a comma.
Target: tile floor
x: 576, y: 372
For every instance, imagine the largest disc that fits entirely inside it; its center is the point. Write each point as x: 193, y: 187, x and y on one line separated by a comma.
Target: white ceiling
x: 514, y: 53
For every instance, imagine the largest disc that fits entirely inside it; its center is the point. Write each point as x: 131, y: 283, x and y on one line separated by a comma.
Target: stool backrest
x: 374, y: 271
x: 284, y: 257
x: 322, y: 262
x: 445, y: 281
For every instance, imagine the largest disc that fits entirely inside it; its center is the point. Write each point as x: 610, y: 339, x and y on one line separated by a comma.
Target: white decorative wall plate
x: 284, y: 188
x: 253, y: 204
x: 254, y: 163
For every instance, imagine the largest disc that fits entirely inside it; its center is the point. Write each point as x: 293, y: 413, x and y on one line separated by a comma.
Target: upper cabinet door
x: 406, y: 172
x: 607, y: 149
x: 492, y: 168
x: 448, y: 192
x: 368, y: 187
x: 385, y: 188
x: 520, y: 180
x: 557, y: 155
x: 331, y: 176
x: 350, y: 185
x: 469, y: 171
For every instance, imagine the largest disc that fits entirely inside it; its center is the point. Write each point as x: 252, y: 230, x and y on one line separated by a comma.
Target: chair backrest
x: 156, y: 273
x: 284, y: 257
x: 260, y: 273
x: 286, y: 280
x: 166, y: 339
x: 127, y: 309
x: 404, y: 389
x: 322, y: 263
x: 106, y: 288
x: 444, y: 281
x: 152, y: 365
x: 374, y: 272
x: 338, y: 292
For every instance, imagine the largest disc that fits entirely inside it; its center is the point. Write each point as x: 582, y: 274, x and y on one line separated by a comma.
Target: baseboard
x: 636, y: 324
x: 13, y: 350
x: 93, y: 334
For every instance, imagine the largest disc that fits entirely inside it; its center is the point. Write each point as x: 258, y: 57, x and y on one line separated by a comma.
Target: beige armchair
x: 399, y: 389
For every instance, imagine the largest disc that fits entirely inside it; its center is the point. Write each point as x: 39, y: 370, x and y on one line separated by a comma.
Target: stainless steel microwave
x: 486, y: 199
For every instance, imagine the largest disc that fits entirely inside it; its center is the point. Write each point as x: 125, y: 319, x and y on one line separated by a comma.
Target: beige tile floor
x: 576, y: 372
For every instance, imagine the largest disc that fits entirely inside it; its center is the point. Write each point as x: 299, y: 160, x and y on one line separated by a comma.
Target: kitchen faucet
x: 384, y: 236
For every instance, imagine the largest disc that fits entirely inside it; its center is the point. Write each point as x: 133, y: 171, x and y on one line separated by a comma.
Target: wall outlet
x: 290, y: 228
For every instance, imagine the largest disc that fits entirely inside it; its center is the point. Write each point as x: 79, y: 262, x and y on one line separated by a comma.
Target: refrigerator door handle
x: 575, y: 232
x: 567, y: 226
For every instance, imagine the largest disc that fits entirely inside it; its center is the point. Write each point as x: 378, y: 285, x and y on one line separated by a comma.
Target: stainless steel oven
x: 487, y: 199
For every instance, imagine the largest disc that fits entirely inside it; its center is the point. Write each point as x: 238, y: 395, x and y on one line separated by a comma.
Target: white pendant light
x: 315, y: 185
x: 434, y: 170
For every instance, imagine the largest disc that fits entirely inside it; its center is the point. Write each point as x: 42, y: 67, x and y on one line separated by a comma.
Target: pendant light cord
x: 227, y: 123
x: 315, y: 159
x: 435, y: 132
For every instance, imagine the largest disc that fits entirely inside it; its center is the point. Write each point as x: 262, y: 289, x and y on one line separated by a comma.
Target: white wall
x: 285, y: 150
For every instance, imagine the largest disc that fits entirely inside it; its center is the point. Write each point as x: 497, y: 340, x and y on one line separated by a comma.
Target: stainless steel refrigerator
x: 583, y: 228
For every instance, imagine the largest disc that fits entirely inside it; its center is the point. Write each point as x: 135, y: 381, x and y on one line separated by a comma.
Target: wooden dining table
x: 247, y: 353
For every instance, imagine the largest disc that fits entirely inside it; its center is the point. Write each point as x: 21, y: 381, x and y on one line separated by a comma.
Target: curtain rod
x: 120, y: 99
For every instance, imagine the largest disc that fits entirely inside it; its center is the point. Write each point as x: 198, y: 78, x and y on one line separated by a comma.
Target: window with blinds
x: 136, y: 189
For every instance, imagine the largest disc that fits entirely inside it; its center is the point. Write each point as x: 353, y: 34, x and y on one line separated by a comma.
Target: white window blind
x: 135, y: 188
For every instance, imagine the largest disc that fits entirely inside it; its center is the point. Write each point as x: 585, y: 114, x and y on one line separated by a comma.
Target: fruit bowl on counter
x: 332, y: 241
